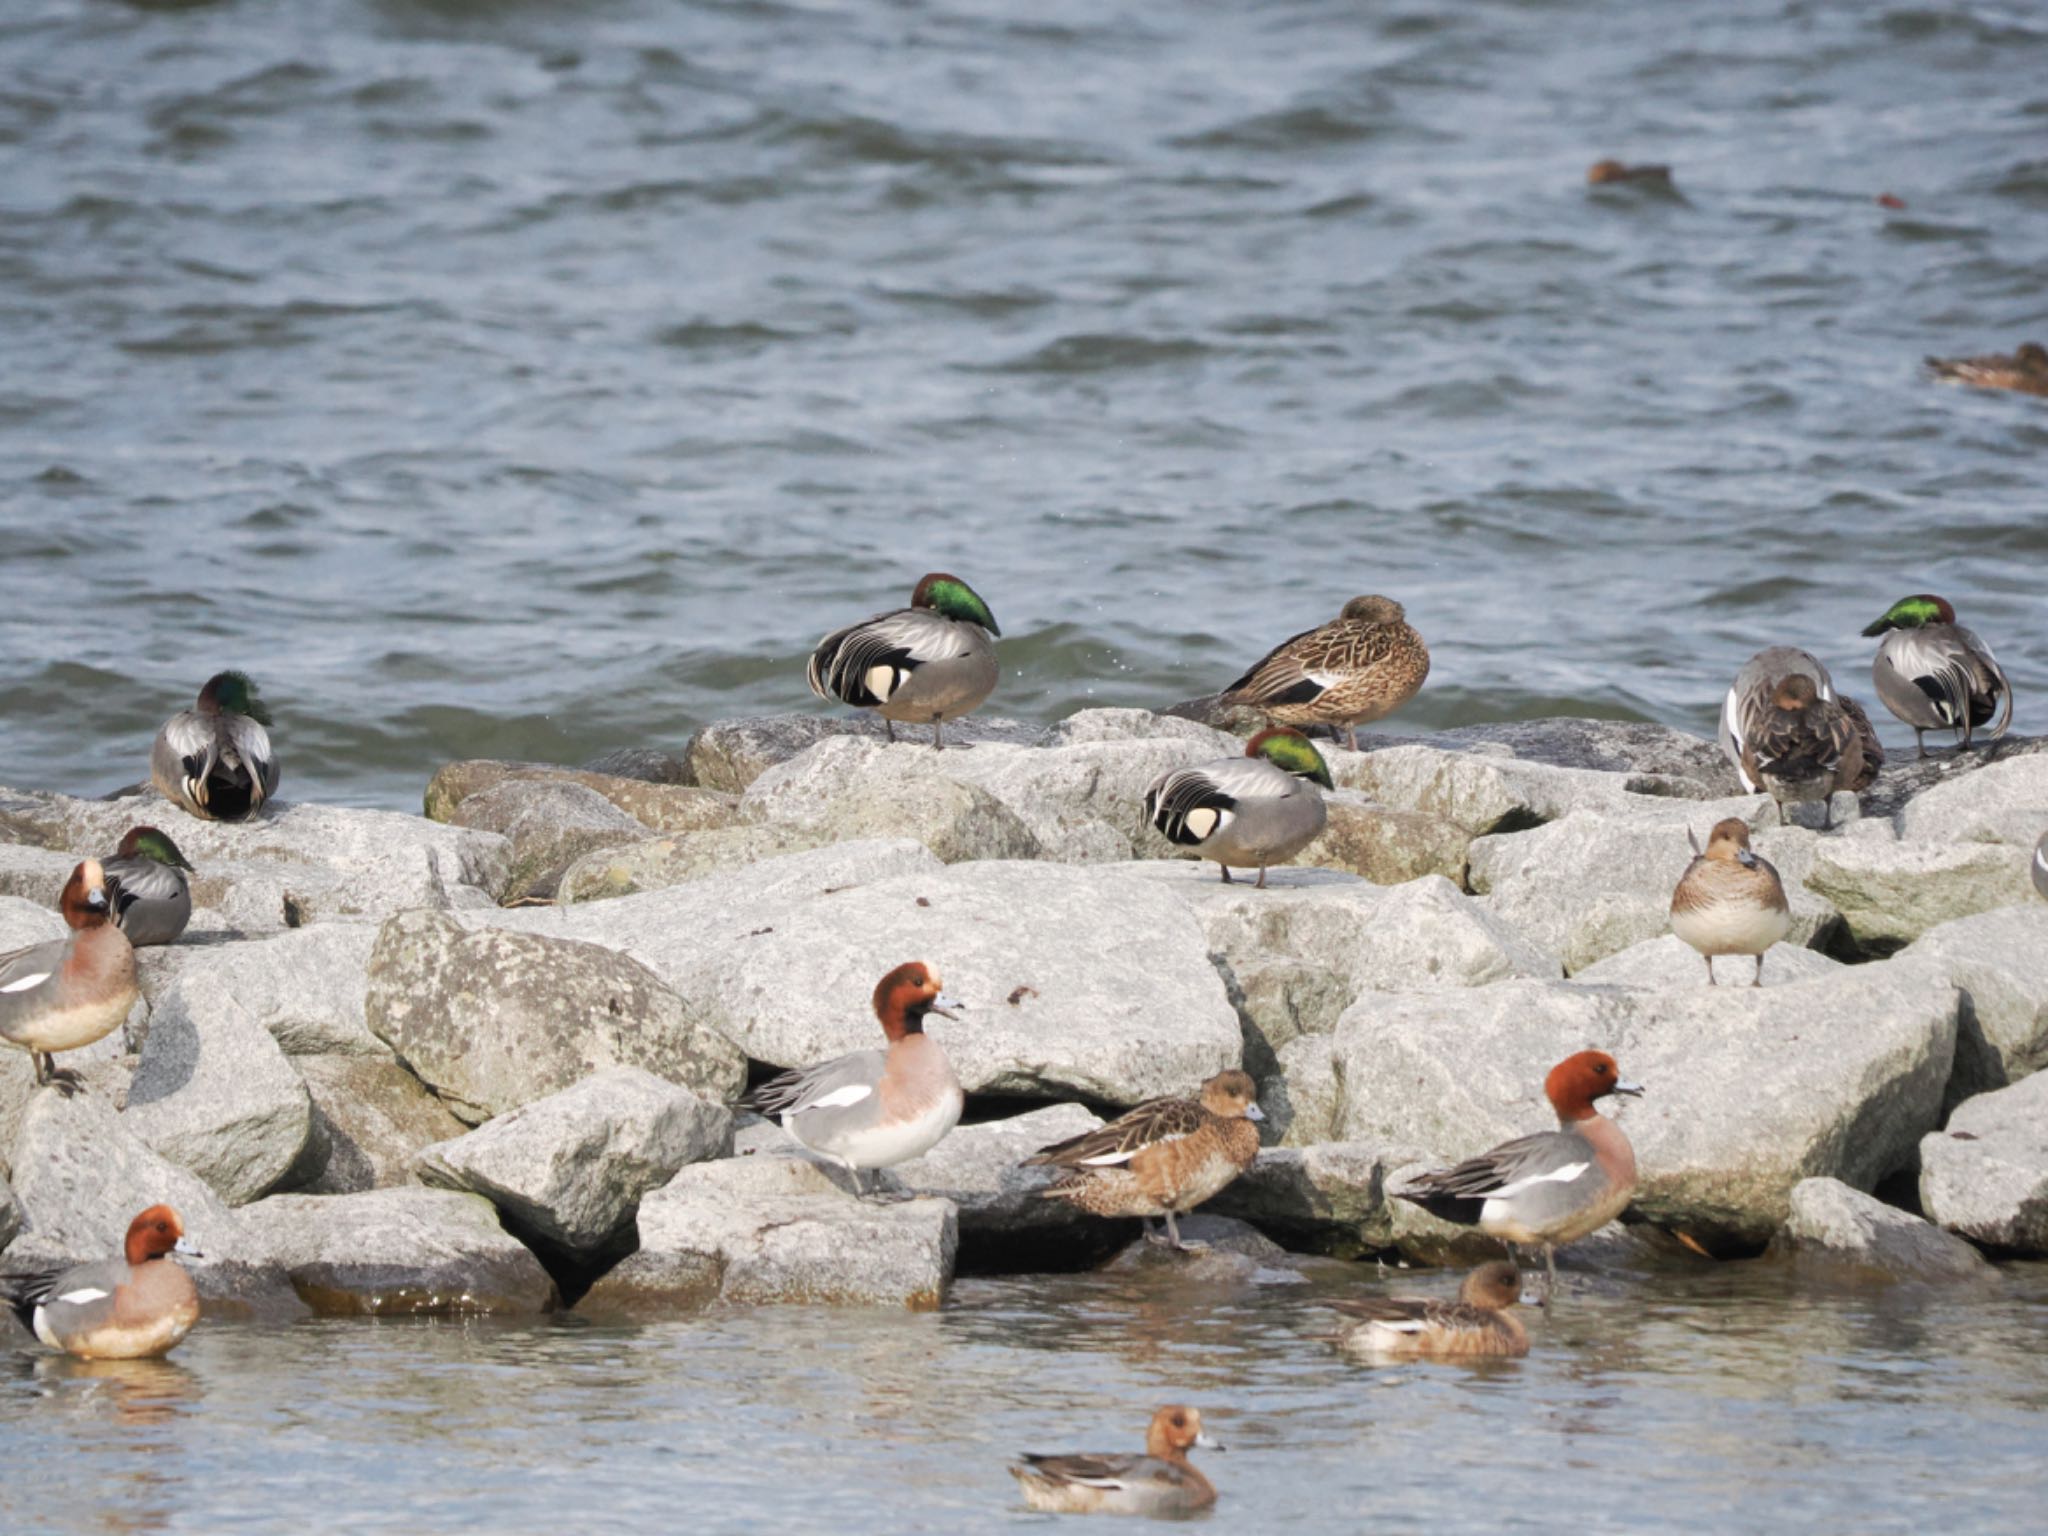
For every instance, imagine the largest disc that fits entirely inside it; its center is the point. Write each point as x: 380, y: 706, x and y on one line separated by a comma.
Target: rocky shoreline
x: 482, y: 1060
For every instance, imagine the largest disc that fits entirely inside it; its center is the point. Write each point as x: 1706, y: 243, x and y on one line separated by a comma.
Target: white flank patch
x: 1202, y: 822
x: 1412, y: 1325
x: 1564, y: 1175
x: 80, y: 1297
x: 839, y: 1098
x: 881, y: 682
x: 1109, y: 1159
x: 25, y: 982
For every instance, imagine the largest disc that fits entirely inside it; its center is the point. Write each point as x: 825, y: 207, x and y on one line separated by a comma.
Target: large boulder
x: 1889, y: 893
x: 980, y: 1169
x: 493, y: 1019
x: 730, y: 754
x: 371, y: 1118
x: 2000, y: 961
x: 1906, y: 778
x: 2003, y: 801
x: 1843, y: 1228
x: 1331, y: 1197
x: 662, y: 806
x: 659, y: 862
x: 1749, y: 1090
x: 1387, y: 846
x: 1656, y: 758
x: 1482, y: 792
x: 778, y: 1229
x: 1985, y: 1175
x: 849, y: 788
x: 1669, y: 963
x: 399, y: 1252
x: 570, y: 1169
x: 550, y: 825
x: 304, y: 986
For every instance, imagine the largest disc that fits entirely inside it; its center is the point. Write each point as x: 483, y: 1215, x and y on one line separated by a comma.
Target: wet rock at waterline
x: 1835, y: 1226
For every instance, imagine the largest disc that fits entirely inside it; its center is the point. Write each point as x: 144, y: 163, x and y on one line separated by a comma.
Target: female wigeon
x: 927, y: 663
x: 1481, y: 1323
x: 214, y: 759
x: 1163, y: 1158
x: 1259, y: 809
x: 2025, y: 369
x: 1729, y: 901
x: 146, y: 887
x: 1553, y: 1187
x: 130, y: 1308
x: 1935, y: 674
x: 1361, y: 666
x: 63, y: 994
x: 874, y: 1109
x: 1159, y: 1483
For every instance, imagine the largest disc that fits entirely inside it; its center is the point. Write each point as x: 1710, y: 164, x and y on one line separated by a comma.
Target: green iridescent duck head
x: 233, y: 693
x: 952, y: 598
x: 1913, y: 613
x: 149, y: 843
x: 1291, y: 750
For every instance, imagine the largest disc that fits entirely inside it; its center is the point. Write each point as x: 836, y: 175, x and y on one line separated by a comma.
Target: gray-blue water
x: 529, y: 379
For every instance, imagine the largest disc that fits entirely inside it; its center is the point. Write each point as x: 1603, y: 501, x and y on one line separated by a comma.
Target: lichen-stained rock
x: 1590, y: 885
x: 661, y: 805
x: 658, y: 862
x: 1669, y: 963
x: 571, y: 1168
x: 2000, y: 961
x: 1749, y: 1091
x: 1889, y: 893
x: 305, y: 986
x: 1834, y: 1225
x: 493, y: 1019
x: 980, y: 1169
x: 1387, y: 846
x: 407, y: 1252
x: 776, y: 1228
x: 550, y: 825
x: 730, y: 754
x: 371, y: 1118
x: 81, y: 1175
x: 1984, y: 1175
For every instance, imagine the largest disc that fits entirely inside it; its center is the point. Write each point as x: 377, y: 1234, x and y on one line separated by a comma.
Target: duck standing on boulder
x: 928, y: 663
x: 214, y: 759
x: 1747, y: 707
x: 1803, y: 747
x: 1250, y: 811
x: 1936, y: 675
x: 64, y: 994
x: 136, y: 1307
x: 874, y: 1109
x: 1163, y: 1158
x: 1365, y: 664
x: 1730, y: 900
x: 146, y: 887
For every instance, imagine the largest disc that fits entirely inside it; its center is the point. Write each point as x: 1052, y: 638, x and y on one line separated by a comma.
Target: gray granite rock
x: 730, y: 754
x: 1387, y: 846
x: 1671, y: 964
x: 1906, y: 778
x: 2000, y: 961
x: 649, y: 764
x: 305, y: 986
x: 1832, y: 1224
x: 1889, y: 893
x: 1331, y: 1196
x: 979, y: 1168
x: 550, y: 824
x: 660, y: 805
x: 659, y: 862
x: 1984, y: 1175
x: 371, y: 1118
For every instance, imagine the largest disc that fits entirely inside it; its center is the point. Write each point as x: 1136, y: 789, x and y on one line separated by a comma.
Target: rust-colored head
x: 1495, y: 1286
x: 1794, y: 692
x: 153, y: 1234
x: 1232, y: 1095
x: 84, y: 900
x: 1375, y: 610
x: 1575, y: 1082
x: 906, y: 995
x: 1174, y: 1430
x: 1729, y: 841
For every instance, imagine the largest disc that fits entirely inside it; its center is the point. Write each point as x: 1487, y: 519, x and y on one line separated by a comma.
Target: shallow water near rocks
x: 1728, y: 1398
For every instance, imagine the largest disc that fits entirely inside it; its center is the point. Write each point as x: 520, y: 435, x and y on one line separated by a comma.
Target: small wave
x: 1106, y: 353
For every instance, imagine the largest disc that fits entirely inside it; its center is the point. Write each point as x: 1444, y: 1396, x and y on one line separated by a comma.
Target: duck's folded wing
x: 1150, y: 1124
x: 24, y: 970
x: 1088, y: 1471
x: 1547, y: 1156
x: 1994, y: 675
x: 1288, y: 674
x: 866, y: 663
x: 249, y: 745
x: 1396, y: 1311
x: 836, y: 1084
x: 186, y: 748
x: 1188, y: 806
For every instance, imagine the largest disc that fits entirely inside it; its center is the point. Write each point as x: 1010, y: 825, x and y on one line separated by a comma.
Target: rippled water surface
x: 529, y: 379
x: 1726, y: 1400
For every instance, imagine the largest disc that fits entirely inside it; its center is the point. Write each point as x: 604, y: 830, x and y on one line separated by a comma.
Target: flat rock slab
x: 2005, y: 801
x: 979, y: 1168
x: 730, y: 754
x: 304, y: 986
x: 1889, y: 893
x: 550, y: 824
x: 656, y: 863
x: 571, y: 1168
x: 1669, y: 964
x: 1985, y: 1175
x: 776, y: 1229
x: 2000, y: 961
x: 407, y: 1252
x: 1834, y: 1225
x: 1907, y: 778
x: 661, y: 805
x: 371, y: 1118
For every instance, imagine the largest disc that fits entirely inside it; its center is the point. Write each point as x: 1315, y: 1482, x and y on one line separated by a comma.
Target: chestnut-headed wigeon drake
x: 874, y: 1109
x: 1480, y: 1324
x: 1361, y: 666
x: 129, y: 1308
x: 63, y: 994
x: 1251, y: 811
x: 214, y: 759
x: 1163, y: 1158
x: 146, y: 887
x: 2025, y: 370
x: 927, y: 663
x: 1551, y: 1188
x: 1730, y: 900
x: 1159, y: 1483
x: 1936, y: 675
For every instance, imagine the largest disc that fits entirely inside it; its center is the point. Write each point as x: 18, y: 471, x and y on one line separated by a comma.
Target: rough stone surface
x: 1985, y: 1175
x: 1670, y: 761
x: 1889, y: 893
x: 33, y: 875
x: 730, y: 754
x: 1387, y: 846
x: 661, y: 805
x: 571, y: 1168
x: 493, y: 1019
x: 2003, y: 802
x: 2000, y: 961
x: 400, y: 1252
x: 660, y: 862
x: 1835, y: 1224
x: 305, y: 986
x: 649, y: 764
x: 550, y: 825
x: 1671, y: 964
x: 10, y: 1214
x: 845, y: 787
x: 1095, y: 725
x: 1906, y: 778
x: 1481, y: 792
x: 1330, y: 1196
x: 979, y: 1169
x: 778, y: 1229
x: 1085, y: 801
x: 371, y: 1118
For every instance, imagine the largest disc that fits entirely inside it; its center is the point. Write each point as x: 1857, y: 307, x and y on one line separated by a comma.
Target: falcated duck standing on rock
x: 67, y: 993
x: 214, y: 759
x: 146, y: 887
x: 1251, y: 811
x: 136, y: 1307
x: 925, y: 664
x: 1363, y: 665
x: 874, y: 1109
x: 1480, y: 1324
x: 1936, y: 675
x: 1163, y: 1158
x: 1730, y: 900
x: 1160, y: 1483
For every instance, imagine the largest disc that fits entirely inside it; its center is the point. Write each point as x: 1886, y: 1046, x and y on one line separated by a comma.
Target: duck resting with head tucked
x: 1803, y: 748
x: 1160, y: 1483
x: 1936, y: 675
x: 146, y: 887
x: 1480, y: 1324
x: 927, y: 664
x: 213, y: 760
x: 1751, y: 698
x: 1251, y: 811
x: 1364, y: 664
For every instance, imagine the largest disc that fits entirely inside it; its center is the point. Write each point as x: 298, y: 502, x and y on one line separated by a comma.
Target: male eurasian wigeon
x: 129, y: 1308
x: 63, y: 994
x: 214, y: 759
x: 1163, y: 1158
x: 874, y: 1109
x: 927, y: 663
x: 1259, y: 809
x: 1159, y: 1483
x: 2025, y: 370
x: 1362, y: 665
x: 1481, y: 1323
x: 1730, y: 901
x: 1936, y: 675
x: 1553, y: 1187
x: 146, y: 887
